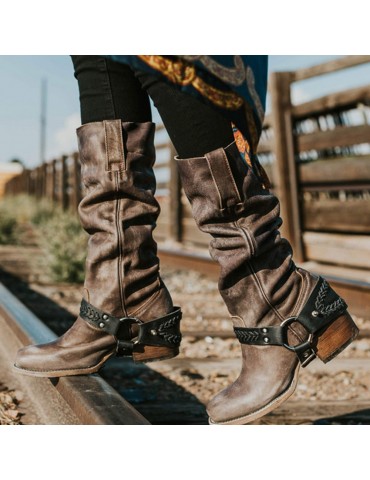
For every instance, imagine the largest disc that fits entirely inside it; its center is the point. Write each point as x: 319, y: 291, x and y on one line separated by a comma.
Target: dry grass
x: 9, y: 413
x: 58, y: 233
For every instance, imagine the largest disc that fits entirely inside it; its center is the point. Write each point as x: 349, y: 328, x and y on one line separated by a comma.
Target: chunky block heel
x: 150, y: 354
x: 329, y: 327
x: 336, y: 337
x: 156, y: 339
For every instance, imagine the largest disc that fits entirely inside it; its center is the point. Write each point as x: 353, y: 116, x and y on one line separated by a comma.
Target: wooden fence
x: 314, y: 155
x: 57, y: 180
x: 317, y: 155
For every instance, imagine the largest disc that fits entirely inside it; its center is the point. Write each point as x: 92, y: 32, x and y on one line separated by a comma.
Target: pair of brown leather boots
x: 283, y: 316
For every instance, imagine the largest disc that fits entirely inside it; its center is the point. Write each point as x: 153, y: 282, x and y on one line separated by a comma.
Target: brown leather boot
x: 283, y: 316
x: 127, y: 310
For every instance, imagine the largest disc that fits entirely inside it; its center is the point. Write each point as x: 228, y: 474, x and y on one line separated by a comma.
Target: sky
x: 20, y: 99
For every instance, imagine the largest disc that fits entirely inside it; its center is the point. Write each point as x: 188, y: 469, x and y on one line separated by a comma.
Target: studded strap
x: 277, y: 336
x: 322, y: 307
x: 162, y: 331
x: 261, y: 336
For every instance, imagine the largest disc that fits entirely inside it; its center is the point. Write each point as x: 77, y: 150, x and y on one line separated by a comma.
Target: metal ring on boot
x: 161, y: 332
x: 277, y: 336
x: 303, y: 350
x: 322, y: 308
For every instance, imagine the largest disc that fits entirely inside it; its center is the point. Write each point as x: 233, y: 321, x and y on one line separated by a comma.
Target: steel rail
x: 355, y: 292
x: 92, y: 400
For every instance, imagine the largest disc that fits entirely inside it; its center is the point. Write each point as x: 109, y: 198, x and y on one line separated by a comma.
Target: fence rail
x: 317, y: 155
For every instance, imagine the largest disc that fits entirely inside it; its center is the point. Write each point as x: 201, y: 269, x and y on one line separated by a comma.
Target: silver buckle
x: 304, y: 350
x: 125, y: 323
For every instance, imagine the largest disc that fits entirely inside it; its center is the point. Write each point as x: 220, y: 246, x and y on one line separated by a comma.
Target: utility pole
x: 43, y: 120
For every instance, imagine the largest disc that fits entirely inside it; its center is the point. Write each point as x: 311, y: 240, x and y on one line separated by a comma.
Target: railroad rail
x: 86, y: 400
x: 162, y: 392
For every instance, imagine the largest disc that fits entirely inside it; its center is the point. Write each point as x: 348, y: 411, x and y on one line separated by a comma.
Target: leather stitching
x: 255, y: 277
x: 319, y: 303
x: 120, y: 271
x: 215, y: 182
x: 106, y: 148
x: 225, y: 161
x: 117, y: 148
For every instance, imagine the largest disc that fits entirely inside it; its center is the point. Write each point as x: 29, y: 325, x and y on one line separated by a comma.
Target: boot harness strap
x: 322, y: 308
x: 162, y: 331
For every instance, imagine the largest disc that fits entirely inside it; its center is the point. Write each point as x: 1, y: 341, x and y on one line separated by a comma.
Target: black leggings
x: 111, y: 90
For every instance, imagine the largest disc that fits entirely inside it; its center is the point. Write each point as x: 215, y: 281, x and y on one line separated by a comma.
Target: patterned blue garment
x: 235, y: 85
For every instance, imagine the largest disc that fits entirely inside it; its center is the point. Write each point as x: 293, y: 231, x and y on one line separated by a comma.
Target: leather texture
x: 321, y: 308
x: 161, y: 331
x: 259, y: 282
x: 119, y: 212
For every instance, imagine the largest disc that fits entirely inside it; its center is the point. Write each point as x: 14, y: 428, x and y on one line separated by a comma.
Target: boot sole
x: 251, y: 417
x: 65, y: 372
x: 150, y: 355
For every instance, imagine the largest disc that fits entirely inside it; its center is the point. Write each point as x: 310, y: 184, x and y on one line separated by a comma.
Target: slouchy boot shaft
x: 258, y: 277
x: 272, y: 303
x: 119, y: 211
x: 127, y: 309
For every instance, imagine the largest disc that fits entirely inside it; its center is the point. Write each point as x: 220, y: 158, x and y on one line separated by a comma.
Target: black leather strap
x: 261, y: 336
x: 322, y: 307
x: 119, y: 327
x: 276, y: 336
x: 162, y: 331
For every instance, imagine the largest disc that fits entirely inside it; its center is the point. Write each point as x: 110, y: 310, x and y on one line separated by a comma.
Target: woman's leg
x: 125, y: 298
x: 273, y: 303
x: 194, y: 127
x: 109, y: 90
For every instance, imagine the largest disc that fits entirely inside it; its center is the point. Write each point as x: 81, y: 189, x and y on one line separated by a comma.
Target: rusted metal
x: 92, y: 399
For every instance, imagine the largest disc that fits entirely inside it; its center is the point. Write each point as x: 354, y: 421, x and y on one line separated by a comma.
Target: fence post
x: 24, y: 181
x: 44, y: 170
x: 48, y: 181
x: 175, y: 206
x: 26, y: 173
x: 31, y: 188
x: 76, y: 179
x: 38, y: 182
x: 64, y: 182
x: 285, y: 169
x: 54, y: 197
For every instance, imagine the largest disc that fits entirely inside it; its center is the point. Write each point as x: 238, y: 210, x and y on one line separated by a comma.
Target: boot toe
x: 29, y: 358
x: 230, y: 405
x: 216, y: 408
x: 258, y: 389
